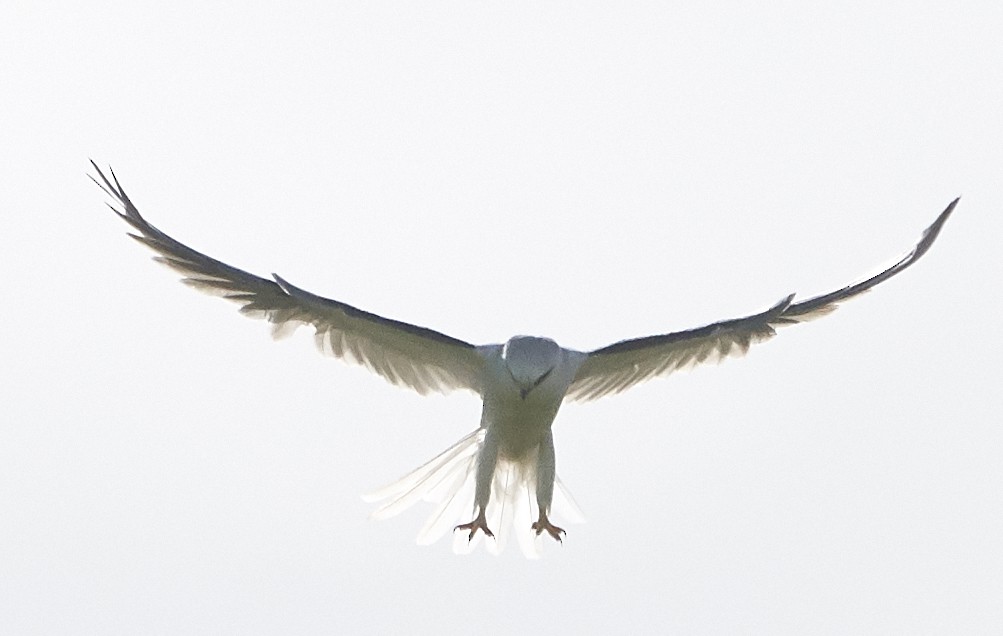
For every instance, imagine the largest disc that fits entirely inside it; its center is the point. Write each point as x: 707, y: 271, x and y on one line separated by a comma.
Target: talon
x: 479, y: 523
x: 544, y: 524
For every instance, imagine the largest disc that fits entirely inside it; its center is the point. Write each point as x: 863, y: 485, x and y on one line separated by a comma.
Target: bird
x: 503, y: 475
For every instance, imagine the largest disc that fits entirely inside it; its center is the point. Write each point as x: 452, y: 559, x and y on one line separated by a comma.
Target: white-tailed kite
x: 504, y: 472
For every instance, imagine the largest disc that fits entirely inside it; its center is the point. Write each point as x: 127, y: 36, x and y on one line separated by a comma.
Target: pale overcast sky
x: 584, y: 171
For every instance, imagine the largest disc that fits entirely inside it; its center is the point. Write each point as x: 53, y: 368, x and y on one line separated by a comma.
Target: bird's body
x: 504, y: 473
x: 525, y: 383
x: 522, y: 394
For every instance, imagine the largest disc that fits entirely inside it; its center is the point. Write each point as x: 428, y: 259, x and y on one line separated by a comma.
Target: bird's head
x: 530, y: 360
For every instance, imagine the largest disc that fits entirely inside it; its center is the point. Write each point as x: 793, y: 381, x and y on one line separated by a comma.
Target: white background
x: 588, y: 172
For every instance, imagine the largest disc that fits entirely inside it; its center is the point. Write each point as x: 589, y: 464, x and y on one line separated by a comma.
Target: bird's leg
x: 546, y: 474
x: 479, y: 523
x: 543, y: 524
x: 487, y: 458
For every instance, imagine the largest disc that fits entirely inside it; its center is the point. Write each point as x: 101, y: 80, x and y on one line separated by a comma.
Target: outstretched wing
x: 624, y: 364
x: 404, y: 354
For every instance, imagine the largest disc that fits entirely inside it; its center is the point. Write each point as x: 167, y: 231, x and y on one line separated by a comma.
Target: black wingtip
x: 950, y: 208
x: 113, y: 188
x: 930, y: 234
x: 106, y: 186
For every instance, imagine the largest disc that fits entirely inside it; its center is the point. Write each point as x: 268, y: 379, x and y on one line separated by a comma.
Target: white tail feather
x: 449, y: 480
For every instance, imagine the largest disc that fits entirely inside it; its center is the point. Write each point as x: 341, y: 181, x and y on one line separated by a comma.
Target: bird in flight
x: 503, y: 473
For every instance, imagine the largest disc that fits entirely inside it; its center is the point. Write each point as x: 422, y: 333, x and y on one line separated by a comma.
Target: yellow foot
x: 543, y: 524
x: 479, y: 523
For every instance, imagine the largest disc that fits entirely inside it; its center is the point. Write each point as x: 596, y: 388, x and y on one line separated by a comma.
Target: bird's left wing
x: 404, y: 354
x: 620, y: 366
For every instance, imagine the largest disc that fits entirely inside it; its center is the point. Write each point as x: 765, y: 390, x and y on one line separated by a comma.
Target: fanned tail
x: 448, y: 480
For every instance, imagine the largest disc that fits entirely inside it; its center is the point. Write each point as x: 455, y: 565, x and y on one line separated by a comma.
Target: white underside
x: 448, y: 481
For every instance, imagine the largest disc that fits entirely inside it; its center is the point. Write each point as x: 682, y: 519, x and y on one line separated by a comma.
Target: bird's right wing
x: 404, y: 354
x: 621, y: 365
